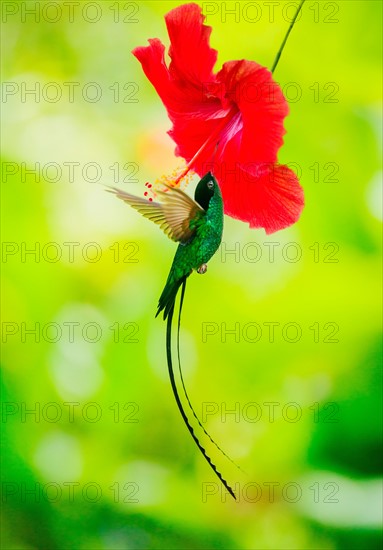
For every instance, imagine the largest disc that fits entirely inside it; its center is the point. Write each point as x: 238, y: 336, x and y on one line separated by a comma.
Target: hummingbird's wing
x: 173, y: 214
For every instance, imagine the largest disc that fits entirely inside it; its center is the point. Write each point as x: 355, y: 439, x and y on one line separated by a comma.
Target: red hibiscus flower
x: 230, y: 123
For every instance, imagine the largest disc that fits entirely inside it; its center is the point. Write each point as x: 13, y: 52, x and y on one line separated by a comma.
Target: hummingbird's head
x: 205, y: 189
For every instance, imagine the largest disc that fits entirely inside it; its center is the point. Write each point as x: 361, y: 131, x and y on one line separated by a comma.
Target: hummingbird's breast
x: 210, y: 234
x: 203, y: 244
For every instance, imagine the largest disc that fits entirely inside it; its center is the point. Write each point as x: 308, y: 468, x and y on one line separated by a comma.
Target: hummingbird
x: 197, y: 226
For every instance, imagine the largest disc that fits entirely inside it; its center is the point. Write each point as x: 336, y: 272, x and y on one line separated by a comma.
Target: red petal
x: 152, y: 60
x: 182, y: 87
x: 182, y: 100
x: 192, y: 114
x: 268, y: 197
x: 192, y: 57
x: 262, y: 106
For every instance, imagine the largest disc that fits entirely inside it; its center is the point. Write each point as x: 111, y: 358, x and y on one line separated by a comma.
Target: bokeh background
x: 105, y: 461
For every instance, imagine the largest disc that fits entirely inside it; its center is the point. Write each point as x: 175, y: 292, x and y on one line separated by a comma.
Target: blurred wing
x: 173, y: 214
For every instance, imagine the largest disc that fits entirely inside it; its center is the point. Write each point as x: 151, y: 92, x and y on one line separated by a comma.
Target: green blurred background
x: 112, y: 464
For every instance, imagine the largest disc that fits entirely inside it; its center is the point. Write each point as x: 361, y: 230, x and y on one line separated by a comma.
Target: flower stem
x: 286, y: 37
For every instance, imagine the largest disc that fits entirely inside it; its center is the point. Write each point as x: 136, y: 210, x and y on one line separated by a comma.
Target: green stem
x: 286, y: 37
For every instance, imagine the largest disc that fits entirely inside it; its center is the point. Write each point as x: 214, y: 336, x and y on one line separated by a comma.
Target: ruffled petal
x: 263, y: 196
x: 192, y: 57
x: 262, y: 106
x: 153, y: 64
x: 195, y: 116
x: 182, y: 99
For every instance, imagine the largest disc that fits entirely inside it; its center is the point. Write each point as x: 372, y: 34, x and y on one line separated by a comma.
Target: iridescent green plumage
x: 207, y: 226
x: 197, y: 225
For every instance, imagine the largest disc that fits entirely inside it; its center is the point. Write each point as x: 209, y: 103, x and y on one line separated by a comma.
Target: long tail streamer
x: 183, y: 383
x: 179, y: 404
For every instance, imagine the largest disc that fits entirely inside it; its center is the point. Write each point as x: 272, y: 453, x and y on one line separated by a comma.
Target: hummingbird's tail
x: 183, y: 382
x: 169, y: 313
x: 169, y: 294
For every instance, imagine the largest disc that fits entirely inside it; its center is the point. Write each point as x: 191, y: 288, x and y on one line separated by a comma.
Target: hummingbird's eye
x: 210, y: 184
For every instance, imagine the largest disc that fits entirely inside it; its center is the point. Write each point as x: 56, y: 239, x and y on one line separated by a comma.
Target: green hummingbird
x: 197, y: 226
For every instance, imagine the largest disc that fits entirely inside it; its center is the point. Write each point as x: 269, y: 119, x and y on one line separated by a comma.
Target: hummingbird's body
x: 197, y: 225
x: 197, y: 252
